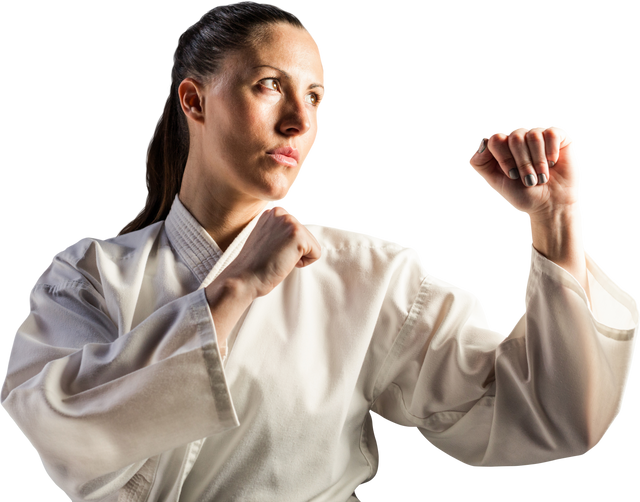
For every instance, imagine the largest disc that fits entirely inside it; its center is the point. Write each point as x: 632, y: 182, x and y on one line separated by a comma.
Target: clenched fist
x: 532, y: 169
x: 277, y: 244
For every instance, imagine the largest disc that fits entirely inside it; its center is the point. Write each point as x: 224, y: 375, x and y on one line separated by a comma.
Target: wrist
x: 563, y: 212
x: 230, y: 289
x: 228, y: 298
x: 556, y: 234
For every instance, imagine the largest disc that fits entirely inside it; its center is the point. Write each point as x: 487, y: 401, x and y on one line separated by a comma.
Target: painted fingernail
x: 551, y: 163
x: 542, y: 179
x: 530, y: 180
x: 482, y: 144
x: 513, y: 174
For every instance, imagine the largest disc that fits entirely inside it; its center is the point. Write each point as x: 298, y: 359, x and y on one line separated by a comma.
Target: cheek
x: 261, y: 120
x: 228, y: 137
x: 248, y: 127
x: 312, y: 132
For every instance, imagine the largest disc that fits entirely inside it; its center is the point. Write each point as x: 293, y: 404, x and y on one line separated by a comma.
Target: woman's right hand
x: 277, y: 244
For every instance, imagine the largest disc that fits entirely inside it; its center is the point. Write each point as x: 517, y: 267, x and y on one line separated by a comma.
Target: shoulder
x: 356, y: 251
x: 84, y: 262
x: 334, y: 239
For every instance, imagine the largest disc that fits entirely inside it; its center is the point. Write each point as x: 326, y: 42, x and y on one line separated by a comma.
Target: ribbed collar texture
x: 196, y: 247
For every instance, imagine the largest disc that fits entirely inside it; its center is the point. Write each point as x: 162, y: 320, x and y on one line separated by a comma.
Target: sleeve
x: 96, y: 404
x: 549, y: 390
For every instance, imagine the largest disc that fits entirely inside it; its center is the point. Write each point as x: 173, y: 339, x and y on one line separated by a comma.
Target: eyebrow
x: 311, y: 86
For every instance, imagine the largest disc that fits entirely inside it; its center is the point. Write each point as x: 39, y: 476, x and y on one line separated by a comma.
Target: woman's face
x: 260, y: 115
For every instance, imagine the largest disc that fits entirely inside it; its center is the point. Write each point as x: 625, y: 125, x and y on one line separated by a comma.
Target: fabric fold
x: 117, y: 379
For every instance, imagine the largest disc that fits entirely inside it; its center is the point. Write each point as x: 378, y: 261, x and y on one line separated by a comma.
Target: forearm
x: 228, y: 298
x: 557, y: 235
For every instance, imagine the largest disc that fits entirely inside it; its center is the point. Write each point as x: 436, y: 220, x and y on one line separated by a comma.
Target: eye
x: 273, y: 84
x: 313, y: 99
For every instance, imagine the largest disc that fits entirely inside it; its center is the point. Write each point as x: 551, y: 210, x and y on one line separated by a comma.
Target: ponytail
x: 166, y: 159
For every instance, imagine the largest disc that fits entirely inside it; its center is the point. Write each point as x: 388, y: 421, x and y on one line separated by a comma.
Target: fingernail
x: 542, y: 179
x: 551, y: 163
x: 482, y: 144
x: 530, y: 180
x: 513, y: 174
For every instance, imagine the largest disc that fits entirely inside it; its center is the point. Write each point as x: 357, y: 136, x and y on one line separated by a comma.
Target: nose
x: 295, y: 119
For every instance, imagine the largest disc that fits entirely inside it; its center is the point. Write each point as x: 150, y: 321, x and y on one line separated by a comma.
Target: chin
x: 277, y: 197
x: 273, y: 195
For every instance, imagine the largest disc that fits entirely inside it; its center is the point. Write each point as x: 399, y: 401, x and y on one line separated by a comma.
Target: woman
x: 217, y: 351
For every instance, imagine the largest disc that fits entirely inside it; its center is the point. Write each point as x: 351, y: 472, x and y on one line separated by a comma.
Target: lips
x: 287, y: 151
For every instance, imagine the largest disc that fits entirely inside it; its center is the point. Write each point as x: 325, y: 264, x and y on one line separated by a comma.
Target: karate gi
x: 117, y: 379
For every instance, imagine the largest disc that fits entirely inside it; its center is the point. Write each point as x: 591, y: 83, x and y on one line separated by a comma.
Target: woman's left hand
x: 532, y: 169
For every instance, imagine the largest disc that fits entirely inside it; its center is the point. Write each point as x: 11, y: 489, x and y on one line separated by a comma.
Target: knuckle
x: 526, y: 168
x: 288, y: 219
x: 534, y: 135
x: 293, y: 228
x: 516, y: 139
x: 553, y: 133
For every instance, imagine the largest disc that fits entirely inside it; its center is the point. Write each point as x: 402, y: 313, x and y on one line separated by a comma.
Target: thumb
x: 486, y: 164
x: 480, y: 154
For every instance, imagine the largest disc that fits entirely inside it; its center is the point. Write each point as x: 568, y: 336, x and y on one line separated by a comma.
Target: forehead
x: 283, y: 46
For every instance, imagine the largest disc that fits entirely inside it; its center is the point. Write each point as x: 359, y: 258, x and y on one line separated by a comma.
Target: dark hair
x: 200, y: 51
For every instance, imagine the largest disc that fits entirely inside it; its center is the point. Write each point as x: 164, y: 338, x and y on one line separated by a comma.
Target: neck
x: 222, y: 218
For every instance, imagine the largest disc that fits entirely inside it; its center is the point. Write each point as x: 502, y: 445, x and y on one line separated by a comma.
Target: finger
x: 312, y: 250
x: 536, y: 145
x: 554, y: 140
x: 282, y: 209
x: 522, y: 156
x: 499, y: 146
x: 290, y: 212
x: 482, y: 157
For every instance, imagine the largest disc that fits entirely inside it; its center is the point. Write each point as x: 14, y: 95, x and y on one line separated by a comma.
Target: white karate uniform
x: 117, y: 380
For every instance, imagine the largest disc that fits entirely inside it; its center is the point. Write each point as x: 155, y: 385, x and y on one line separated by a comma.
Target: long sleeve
x: 549, y: 390
x: 97, y: 402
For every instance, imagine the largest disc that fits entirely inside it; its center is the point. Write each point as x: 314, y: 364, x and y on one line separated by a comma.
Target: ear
x: 192, y: 99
